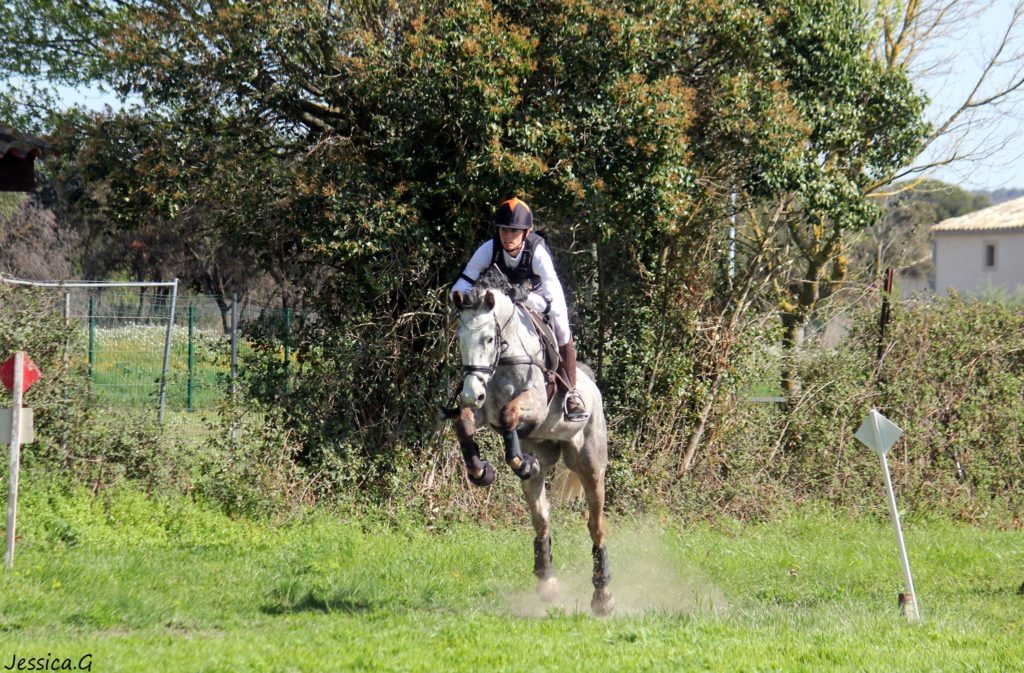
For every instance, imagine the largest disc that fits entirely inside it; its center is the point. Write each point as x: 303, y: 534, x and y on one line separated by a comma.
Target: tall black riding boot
x: 574, y: 409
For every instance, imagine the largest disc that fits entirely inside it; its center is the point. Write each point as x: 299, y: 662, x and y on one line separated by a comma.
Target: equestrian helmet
x: 514, y: 214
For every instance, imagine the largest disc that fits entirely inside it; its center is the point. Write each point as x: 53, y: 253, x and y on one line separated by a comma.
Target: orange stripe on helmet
x: 513, y: 202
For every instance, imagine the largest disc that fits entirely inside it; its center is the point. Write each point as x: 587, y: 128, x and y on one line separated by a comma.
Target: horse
x: 505, y: 386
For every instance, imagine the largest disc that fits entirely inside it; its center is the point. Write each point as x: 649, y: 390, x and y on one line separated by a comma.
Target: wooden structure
x: 18, y: 153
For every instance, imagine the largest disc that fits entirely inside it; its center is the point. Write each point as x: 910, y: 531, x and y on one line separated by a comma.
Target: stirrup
x: 576, y: 416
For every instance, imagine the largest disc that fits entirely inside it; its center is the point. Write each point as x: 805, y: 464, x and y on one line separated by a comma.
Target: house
x: 18, y: 153
x: 981, y: 250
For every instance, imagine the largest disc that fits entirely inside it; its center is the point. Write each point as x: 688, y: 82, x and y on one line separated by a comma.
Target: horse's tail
x: 565, y: 486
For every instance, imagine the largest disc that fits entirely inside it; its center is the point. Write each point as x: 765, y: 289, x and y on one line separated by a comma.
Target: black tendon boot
x: 478, y: 470
x: 524, y: 465
x: 542, y: 557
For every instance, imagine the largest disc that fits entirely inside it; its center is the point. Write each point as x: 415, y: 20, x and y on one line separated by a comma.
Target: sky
x: 960, y: 57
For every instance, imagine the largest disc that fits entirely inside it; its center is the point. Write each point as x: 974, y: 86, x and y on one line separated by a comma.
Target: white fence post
x: 12, y: 488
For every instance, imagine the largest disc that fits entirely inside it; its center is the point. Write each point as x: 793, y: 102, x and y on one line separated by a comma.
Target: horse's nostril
x: 480, y: 397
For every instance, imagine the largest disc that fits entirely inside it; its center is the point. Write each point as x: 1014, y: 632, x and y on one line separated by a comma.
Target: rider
x: 523, y: 257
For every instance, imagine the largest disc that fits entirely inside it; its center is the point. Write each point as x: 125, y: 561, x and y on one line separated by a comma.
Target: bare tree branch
x: 926, y: 38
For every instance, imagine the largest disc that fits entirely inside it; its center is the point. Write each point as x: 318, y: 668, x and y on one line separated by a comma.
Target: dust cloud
x: 649, y: 575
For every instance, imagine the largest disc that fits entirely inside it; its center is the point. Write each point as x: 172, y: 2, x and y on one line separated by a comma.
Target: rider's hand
x: 518, y: 294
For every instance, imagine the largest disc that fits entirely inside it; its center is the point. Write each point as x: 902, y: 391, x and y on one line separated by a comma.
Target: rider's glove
x: 518, y: 294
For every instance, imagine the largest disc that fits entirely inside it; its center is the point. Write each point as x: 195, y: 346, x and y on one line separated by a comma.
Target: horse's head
x: 482, y: 313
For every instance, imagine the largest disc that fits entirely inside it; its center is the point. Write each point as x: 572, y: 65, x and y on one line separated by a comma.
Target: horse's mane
x: 491, y: 279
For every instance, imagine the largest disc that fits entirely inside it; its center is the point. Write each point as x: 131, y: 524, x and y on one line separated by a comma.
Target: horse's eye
x: 490, y: 340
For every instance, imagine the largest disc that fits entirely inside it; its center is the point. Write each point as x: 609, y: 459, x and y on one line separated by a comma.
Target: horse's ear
x: 458, y: 298
x: 489, y: 300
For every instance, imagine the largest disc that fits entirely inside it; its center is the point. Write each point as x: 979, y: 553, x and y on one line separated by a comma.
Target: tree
x: 893, y: 59
x: 861, y: 122
x: 356, y: 153
x: 143, y: 196
x: 918, y: 37
x: 32, y: 245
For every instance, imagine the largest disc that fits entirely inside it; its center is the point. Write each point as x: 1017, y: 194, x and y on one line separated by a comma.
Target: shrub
x: 952, y: 377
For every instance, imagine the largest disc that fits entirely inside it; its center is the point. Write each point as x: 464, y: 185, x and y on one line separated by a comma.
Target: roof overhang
x: 979, y: 231
x: 1003, y: 217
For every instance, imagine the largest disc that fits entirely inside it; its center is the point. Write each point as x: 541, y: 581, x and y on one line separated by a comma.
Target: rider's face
x: 512, y: 239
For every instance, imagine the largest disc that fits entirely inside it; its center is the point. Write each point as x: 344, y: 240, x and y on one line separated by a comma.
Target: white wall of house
x: 973, y: 261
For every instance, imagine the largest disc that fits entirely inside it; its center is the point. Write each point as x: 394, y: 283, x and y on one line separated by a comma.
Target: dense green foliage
x: 952, y: 378
x: 132, y: 581
x: 353, y: 154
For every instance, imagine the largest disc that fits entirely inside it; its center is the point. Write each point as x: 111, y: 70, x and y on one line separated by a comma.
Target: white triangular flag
x: 878, y: 433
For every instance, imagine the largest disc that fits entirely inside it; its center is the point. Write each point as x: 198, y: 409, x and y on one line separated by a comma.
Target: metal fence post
x: 883, y: 318
x: 191, y: 353
x: 234, y: 345
x: 167, y: 353
x: 67, y: 365
x: 232, y: 383
x: 287, y: 347
x: 92, y: 335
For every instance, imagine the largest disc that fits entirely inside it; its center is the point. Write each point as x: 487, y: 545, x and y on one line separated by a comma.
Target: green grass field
x: 143, y: 585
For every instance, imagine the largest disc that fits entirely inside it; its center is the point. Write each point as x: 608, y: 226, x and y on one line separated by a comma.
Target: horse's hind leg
x: 591, y: 464
x: 540, y: 514
x: 601, y: 602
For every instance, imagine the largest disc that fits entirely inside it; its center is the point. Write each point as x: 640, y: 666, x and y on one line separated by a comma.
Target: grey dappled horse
x: 505, y: 387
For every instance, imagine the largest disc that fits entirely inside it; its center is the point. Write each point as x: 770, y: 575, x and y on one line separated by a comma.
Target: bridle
x: 483, y: 373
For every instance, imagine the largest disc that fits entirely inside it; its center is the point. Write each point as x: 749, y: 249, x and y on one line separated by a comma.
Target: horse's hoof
x: 548, y: 590
x: 602, y: 604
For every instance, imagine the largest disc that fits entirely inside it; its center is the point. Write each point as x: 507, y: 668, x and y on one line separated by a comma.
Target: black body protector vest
x: 523, y: 275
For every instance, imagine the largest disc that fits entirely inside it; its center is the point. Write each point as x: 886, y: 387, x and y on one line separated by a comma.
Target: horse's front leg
x: 527, y: 467
x: 478, y: 470
x: 540, y: 514
x: 524, y: 465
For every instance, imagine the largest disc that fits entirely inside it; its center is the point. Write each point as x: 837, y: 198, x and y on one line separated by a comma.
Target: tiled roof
x: 1006, y: 215
x: 21, y: 145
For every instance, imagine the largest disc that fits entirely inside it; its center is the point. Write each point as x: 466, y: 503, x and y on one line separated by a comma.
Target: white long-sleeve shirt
x: 543, y: 266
